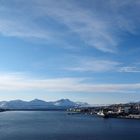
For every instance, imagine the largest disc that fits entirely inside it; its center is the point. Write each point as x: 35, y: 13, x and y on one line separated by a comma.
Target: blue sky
x: 82, y: 50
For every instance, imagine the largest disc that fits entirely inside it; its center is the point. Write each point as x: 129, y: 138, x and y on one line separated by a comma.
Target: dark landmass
x: 125, y: 111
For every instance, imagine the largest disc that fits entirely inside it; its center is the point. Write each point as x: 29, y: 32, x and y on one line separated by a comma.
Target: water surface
x: 56, y: 125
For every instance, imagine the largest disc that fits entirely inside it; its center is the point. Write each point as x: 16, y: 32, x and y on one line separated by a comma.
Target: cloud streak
x: 92, y: 30
x: 130, y: 69
x: 95, y: 65
x: 20, y: 82
x: 98, y: 65
x: 95, y: 28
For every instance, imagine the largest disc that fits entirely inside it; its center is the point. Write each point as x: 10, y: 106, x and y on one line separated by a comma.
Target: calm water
x: 60, y: 126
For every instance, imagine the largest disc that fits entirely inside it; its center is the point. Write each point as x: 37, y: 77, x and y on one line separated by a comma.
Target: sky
x: 84, y: 50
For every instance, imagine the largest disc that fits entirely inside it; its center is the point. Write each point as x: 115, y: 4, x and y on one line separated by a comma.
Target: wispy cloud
x: 130, y: 69
x: 95, y: 65
x: 91, y: 29
x: 100, y: 65
x: 98, y: 28
x: 125, y: 15
x: 20, y: 82
x: 10, y: 28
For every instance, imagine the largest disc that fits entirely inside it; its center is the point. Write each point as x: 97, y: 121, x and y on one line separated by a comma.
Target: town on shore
x: 126, y: 111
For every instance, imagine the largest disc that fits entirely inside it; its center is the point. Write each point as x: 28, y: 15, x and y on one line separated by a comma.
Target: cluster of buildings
x: 126, y: 109
x: 130, y: 110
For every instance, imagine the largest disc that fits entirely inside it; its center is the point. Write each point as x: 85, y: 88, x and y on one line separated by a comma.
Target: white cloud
x: 131, y: 69
x: 95, y: 65
x: 92, y: 30
x: 20, y: 29
x: 20, y: 82
x: 99, y: 28
x: 98, y: 65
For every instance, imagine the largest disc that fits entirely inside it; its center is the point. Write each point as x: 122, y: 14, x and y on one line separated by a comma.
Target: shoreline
x: 130, y: 117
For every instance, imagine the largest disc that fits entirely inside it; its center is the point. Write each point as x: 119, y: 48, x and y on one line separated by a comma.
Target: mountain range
x: 40, y: 104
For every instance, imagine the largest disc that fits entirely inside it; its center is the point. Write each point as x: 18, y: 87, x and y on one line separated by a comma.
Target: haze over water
x: 56, y: 125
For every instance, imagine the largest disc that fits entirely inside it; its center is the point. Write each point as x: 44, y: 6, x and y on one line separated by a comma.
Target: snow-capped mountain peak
x: 40, y: 104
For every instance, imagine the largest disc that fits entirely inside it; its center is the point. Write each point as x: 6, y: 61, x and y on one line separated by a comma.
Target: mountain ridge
x: 41, y: 104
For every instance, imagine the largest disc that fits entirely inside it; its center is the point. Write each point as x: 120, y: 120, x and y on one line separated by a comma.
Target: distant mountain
x: 14, y: 104
x: 65, y: 102
x: 40, y: 104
